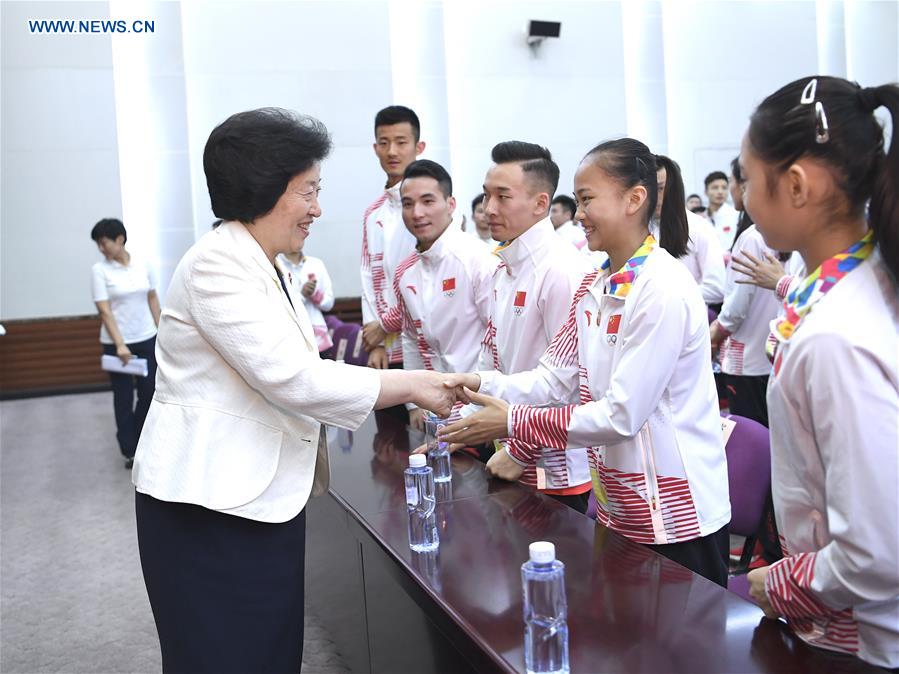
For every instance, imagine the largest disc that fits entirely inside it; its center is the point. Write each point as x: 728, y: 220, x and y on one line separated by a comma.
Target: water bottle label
x: 412, y: 496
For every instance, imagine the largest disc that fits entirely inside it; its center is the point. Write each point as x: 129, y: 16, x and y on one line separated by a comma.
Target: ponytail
x: 674, y: 229
x: 832, y: 120
x: 884, y: 206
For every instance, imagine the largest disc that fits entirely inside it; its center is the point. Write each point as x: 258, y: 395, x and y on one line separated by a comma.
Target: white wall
x: 721, y: 60
x: 94, y: 126
x: 330, y: 60
x: 568, y: 97
x: 59, y: 166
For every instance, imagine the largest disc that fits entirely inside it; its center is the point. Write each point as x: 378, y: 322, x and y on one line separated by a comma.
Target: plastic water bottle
x: 438, y: 451
x: 545, y: 611
x: 421, y: 504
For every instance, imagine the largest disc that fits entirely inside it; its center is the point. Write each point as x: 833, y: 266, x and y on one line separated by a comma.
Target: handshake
x: 439, y: 392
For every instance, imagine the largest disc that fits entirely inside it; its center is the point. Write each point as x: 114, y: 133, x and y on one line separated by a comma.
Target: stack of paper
x: 136, y: 366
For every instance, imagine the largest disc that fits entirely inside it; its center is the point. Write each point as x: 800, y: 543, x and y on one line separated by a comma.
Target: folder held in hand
x: 135, y: 366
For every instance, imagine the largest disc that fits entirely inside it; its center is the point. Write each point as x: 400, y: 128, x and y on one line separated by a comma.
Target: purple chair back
x: 749, y: 474
x: 332, y: 322
x: 591, y: 505
x: 348, y: 347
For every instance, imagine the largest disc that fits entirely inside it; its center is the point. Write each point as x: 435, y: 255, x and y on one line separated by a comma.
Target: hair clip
x: 808, y: 94
x: 822, y: 131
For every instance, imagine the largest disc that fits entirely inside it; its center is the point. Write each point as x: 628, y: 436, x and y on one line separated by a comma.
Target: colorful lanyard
x: 621, y: 281
x: 817, y: 284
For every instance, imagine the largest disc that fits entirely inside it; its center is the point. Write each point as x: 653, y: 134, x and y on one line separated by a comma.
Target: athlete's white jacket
x: 321, y: 300
x: 385, y: 243
x: 704, y: 257
x: 746, y: 314
x: 443, y: 306
x: 633, y: 375
x: 834, y: 412
x: 725, y: 222
x: 533, y: 287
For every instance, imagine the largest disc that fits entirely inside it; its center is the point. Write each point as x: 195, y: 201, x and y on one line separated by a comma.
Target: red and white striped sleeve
x: 541, y: 426
x: 393, y: 319
x: 788, y: 586
x: 783, y: 286
x: 372, y: 262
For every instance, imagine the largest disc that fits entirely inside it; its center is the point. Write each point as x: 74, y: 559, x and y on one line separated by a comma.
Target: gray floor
x: 72, y: 597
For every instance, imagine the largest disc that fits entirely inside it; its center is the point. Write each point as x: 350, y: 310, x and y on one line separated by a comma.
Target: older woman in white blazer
x: 233, y: 444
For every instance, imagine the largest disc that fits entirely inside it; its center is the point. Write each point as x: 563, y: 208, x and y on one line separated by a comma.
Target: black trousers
x: 578, y: 502
x: 129, y: 418
x: 746, y: 396
x: 226, y: 592
x: 707, y: 556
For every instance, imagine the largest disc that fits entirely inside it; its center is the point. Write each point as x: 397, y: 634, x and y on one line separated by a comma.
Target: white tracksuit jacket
x: 633, y: 375
x: 533, y: 287
x: 834, y: 412
x: 443, y: 303
x: 746, y: 314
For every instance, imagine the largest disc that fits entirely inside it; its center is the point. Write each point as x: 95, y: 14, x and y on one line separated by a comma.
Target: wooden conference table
x: 390, y: 610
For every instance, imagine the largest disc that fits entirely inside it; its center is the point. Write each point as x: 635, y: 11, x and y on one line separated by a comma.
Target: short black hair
x: 251, y: 156
x: 477, y: 200
x: 713, y: 176
x: 535, y: 160
x: 567, y: 203
x: 398, y: 114
x: 425, y: 168
x: 108, y: 228
x: 693, y: 196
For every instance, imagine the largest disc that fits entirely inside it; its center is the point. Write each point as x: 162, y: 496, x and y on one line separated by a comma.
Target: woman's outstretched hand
x: 763, y: 273
x: 483, y: 426
x: 439, y: 392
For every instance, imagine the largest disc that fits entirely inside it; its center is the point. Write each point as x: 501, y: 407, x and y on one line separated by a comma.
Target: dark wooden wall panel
x: 47, y: 356
x: 54, y: 355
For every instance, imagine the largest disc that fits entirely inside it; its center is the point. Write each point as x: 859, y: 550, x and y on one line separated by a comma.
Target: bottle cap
x: 418, y: 460
x: 542, y: 552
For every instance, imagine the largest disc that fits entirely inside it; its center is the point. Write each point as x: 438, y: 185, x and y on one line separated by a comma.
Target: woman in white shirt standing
x: 125, y: 294
x: 630, y: 375
x: 813, y: 158
x: 309, y: 277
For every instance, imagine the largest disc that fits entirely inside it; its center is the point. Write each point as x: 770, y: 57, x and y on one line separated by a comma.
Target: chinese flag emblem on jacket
x: 613, y: 324
x: 518, y: 304
x: 449, y: 286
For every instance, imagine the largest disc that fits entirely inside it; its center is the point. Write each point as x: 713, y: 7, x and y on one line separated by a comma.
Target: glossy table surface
x: 629, y: 609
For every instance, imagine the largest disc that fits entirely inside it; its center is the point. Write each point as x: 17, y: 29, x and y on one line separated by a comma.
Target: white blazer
x: 235, y: 423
